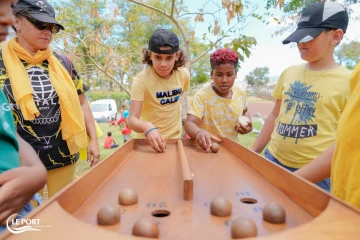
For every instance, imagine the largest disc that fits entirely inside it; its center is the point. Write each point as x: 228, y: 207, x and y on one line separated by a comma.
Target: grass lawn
x: 245, y: 140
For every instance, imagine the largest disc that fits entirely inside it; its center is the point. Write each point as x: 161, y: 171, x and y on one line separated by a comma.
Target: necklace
x: 321, y: 75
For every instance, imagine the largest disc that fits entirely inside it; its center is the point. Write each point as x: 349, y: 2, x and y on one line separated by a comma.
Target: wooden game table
x: 175, y: 189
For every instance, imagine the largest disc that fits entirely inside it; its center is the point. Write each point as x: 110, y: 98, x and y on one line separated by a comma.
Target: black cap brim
x: 46, y: 19
x: 303, y: 35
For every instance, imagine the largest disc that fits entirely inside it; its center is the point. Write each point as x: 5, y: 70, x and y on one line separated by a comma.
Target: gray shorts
x: 126, y: 137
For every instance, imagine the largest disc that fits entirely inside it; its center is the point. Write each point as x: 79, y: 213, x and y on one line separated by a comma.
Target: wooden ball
x: 214, y: 147
x: 128, y: 196
x: 244, y: 120
x: 145, y: 228
x: 243, y: 228
x: 108, y: 215
x: 274, y: 213
x: 220, y: 207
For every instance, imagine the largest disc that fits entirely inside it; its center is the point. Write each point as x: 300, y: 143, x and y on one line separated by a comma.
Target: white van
x: 103, y: 110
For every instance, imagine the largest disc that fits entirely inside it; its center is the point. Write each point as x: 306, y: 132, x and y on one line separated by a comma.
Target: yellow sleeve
x: 277, y: 92
x: 138, y: 90
x: 197, y: 106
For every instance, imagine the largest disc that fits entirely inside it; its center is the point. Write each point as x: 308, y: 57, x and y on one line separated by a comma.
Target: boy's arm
x: 19, y: 185
x: 93, y: 152
x: 319, y: 168
x: 265, y: 134
x: 203, y: 137
x: 153, y: 136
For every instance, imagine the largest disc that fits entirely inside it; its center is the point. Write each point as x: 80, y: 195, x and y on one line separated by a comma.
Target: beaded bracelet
x: 198, y: 132
x: 150, y: 130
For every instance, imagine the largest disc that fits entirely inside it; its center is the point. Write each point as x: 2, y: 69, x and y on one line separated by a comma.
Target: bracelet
x: 150, y: 130
x: 198, y: 132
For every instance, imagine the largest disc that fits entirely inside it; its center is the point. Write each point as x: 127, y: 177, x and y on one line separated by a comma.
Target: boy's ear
x: 177, y: 55
x: 337, y: 36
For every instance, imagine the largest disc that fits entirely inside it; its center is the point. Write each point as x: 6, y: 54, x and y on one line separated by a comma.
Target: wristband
x: 198, y: 132
x: 150, y: 130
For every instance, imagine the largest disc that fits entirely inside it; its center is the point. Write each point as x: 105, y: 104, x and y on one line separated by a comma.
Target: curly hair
x: 224, y: 56
x: 179, y: 63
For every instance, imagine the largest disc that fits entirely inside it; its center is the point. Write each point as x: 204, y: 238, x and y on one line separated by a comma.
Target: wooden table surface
x: 234, y: 173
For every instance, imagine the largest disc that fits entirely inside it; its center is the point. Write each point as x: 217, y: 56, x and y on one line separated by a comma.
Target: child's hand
x: 155, y: 140
x: 243, y: 129
x: 204, y: 139
x: 18, y: 186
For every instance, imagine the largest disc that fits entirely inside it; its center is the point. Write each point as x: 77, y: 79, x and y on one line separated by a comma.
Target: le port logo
x: 15, y: 224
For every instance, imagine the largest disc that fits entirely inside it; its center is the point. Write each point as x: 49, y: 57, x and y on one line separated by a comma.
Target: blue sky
x: 269, y: 51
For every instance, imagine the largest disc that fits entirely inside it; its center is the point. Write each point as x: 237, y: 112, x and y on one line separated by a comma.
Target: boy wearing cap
x: 156, y: 91
x: 345, y: 178
x: 125, y: 130
x: 310, y: 97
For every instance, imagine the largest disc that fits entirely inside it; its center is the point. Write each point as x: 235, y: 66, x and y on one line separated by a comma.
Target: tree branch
x: 150, y: 7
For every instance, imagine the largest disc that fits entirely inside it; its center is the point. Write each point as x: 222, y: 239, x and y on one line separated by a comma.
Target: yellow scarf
x: 72, y: 118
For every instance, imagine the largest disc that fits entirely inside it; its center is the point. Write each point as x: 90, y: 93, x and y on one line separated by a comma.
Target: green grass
x: 83, y: 166
x: 246, y: 140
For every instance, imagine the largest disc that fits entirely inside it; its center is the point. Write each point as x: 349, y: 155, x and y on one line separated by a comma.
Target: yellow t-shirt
x: 309, y: 113
x: 161, y: 100
x: 345, y: 177
x: 219, y: 115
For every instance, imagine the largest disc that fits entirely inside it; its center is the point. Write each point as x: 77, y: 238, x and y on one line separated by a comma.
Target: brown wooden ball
x: 220, y: 207
x: 128, y: 196
x: 145, y: 228
x: 243, y: 228
x: 274, y: 213
x: 109, y: 215
x: 214, y: 147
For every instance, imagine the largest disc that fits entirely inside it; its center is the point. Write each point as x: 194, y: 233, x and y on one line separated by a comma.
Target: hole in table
x: 160, y: 213
x: 248, y: 200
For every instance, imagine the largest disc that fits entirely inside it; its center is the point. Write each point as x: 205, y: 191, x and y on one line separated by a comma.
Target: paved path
x: 264, y: 108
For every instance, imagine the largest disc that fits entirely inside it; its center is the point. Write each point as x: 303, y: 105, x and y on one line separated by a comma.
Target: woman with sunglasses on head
x: 49, y: 106
x: 19, y: 163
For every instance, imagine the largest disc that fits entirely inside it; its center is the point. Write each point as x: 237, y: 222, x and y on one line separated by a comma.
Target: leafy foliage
x: 348, y: 54
x: 258, y: 77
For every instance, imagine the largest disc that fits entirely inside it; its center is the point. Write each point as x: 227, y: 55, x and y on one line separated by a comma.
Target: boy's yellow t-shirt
x: 345, y: 177
x: 311, y: 105
x: 161, y: 100
x: 219, y: 115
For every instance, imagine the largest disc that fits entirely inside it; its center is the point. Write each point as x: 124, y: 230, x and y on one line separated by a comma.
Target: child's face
x: 318, y: 48
x: 224, y: 76
x: 6, y: 17
x: 164, y: 63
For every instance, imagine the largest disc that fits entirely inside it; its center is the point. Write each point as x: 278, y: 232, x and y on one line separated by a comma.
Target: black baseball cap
x: 40, y: 10
x: 316, y: 18
x: 163, y: 38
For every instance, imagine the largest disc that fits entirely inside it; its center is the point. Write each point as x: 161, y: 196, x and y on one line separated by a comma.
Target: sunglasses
x: 42, y: 25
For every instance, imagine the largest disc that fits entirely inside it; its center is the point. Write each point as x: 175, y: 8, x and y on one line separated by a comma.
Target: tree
x: 348, y: 54
x: 258, y: 77
x: 178, y: 14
